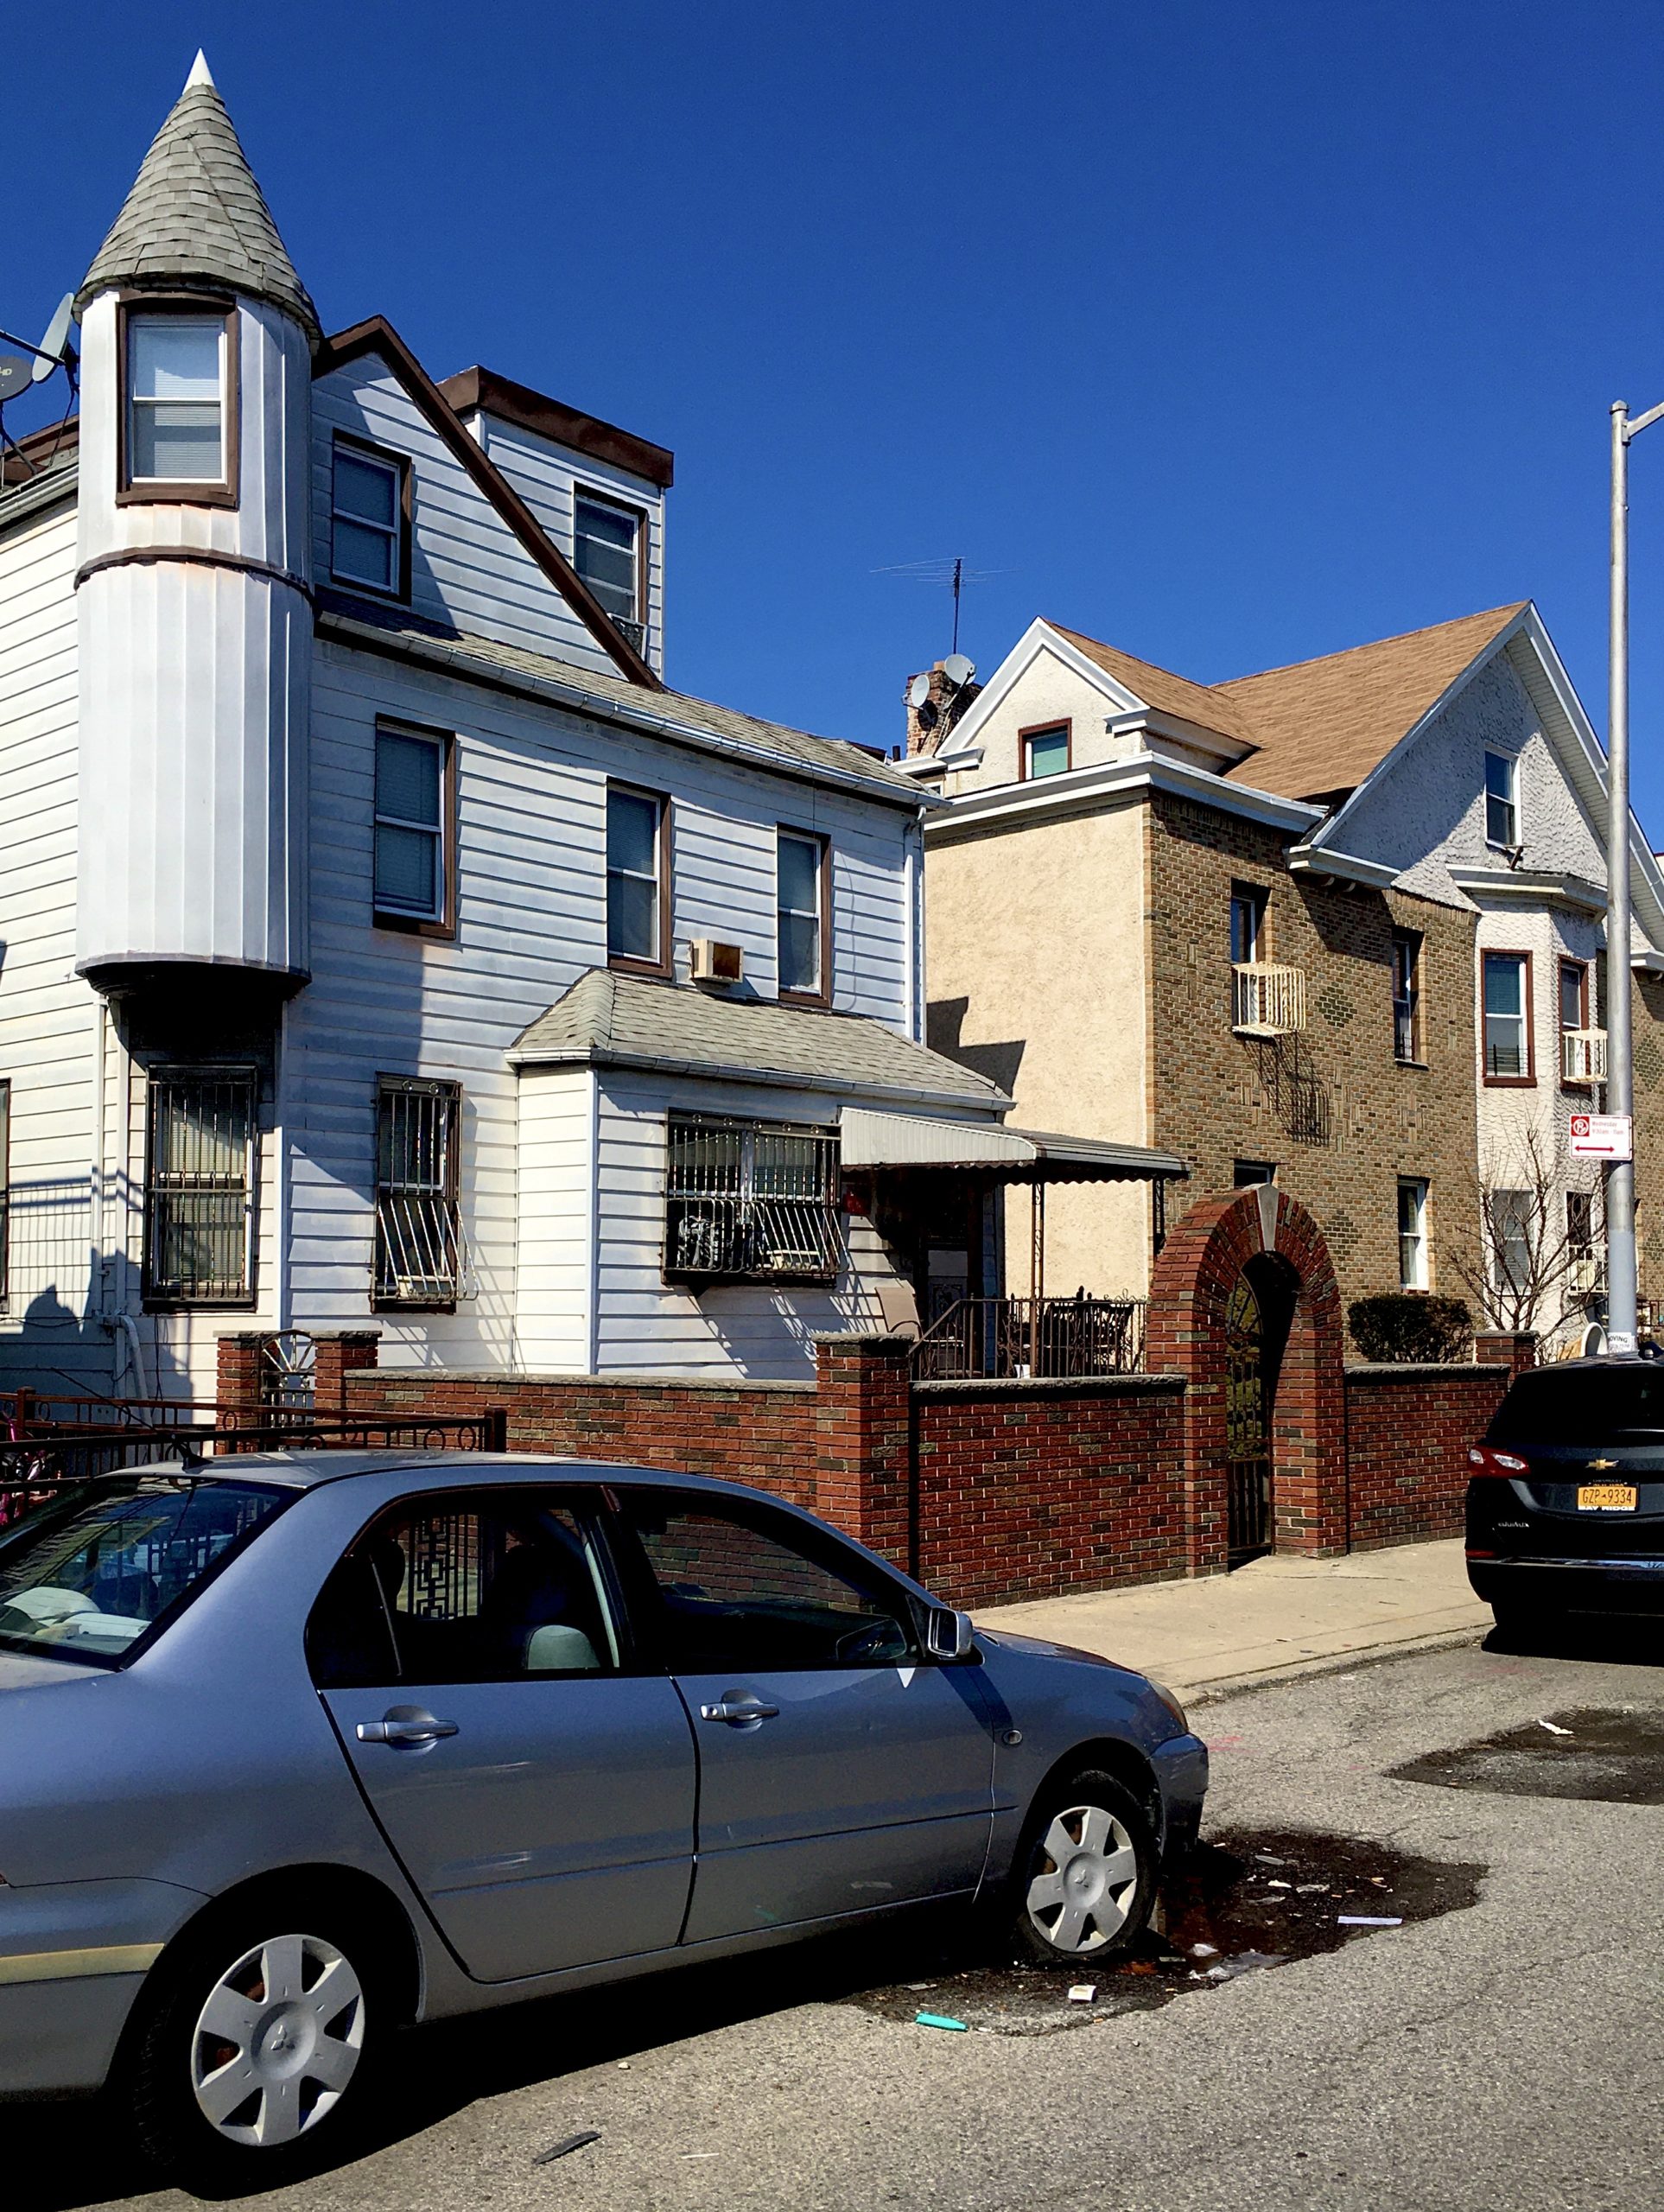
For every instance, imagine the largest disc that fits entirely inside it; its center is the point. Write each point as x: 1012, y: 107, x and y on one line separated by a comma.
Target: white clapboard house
x: 386, y: 946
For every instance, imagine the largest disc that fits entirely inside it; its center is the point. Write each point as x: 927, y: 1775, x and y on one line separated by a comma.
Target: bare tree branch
x: 1534, y: 1248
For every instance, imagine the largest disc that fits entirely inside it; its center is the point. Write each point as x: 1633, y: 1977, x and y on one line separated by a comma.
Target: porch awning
x: 869, y: 1139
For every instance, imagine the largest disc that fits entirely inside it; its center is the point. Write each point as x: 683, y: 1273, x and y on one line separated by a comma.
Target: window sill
x: 1510, y: 1082
x: 1421, y: 1067
x: 413, y: 924
x: 189, y: 494
x: 625, y: 963
x: 412, y: 1304
x: 812, y: 1001
x: 772, y: 1278
x: 244, y: 1302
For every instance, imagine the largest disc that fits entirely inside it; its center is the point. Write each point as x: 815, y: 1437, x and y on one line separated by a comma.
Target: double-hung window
x: 1506, y: 1016
x: 751, y: 1202
x: 178, y: 420
x: 636, y: 904
x: 1502, y: 800
x: 414, y: 862
x: 199, y: 1186
x: 368, y: 508
x: 1515, y: 1229
x: 1247, y: 924
x: 801, y: 869
x: 606, y: 552
x: 1406, y: 996
x: 1411, y: 1233
x: 418, y: 1214
x: 1045, y: 752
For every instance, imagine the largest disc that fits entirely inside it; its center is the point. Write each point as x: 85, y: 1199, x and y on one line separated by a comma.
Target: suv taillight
x: 1485, y: 1459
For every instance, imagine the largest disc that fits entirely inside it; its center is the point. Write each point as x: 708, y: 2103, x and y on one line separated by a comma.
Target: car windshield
x: 86, y: 1576
x: 1583, y: 1406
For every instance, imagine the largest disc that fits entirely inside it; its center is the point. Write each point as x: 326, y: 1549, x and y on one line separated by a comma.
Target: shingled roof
x: 610, y: 1019
x: 1316, y: 729
x: 195, y: 217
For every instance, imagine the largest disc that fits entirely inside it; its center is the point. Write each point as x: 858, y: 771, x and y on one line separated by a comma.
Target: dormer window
x: 179, y: 405
x: 370, y: 505
x: 609, y: 545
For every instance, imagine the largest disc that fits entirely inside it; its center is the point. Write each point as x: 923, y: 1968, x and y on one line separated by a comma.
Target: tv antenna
x: 953, y: 574
x: 55, y: 351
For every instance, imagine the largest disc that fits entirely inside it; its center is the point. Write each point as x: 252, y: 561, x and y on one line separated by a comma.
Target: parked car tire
x: 1085, y: 1878
x: 258, y: 2038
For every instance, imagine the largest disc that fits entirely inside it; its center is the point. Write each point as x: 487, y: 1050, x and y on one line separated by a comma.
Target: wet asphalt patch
x: 1610, y: 1758
x: 1246, y: 1901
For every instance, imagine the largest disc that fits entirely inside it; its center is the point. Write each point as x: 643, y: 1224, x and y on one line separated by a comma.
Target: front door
x: 838, y: 1770
x: 536, y: 1788
x: 1248, y: 1437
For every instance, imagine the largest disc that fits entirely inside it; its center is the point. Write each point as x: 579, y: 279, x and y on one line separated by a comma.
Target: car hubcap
x: 1086, y: 1880
x: 278, y: 2041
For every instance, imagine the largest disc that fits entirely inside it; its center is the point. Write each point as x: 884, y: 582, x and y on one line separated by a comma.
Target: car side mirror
x: 948, y: 1635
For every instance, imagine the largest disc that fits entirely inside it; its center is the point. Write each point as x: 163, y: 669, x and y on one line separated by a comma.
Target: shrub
x: 1411, y: 1326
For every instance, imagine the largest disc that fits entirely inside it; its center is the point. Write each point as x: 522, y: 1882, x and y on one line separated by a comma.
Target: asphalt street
x: 1494, y: 2055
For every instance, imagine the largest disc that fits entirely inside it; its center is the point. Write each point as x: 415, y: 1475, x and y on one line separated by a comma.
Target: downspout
x: 129, y: 1328
x: 915, y: 919
x: 280, y: 1151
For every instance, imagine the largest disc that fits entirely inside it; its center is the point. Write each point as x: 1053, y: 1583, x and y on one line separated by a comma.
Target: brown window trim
x: 1565, y: 960
x: 401, y: 461
x: 626, y: 962
x: 643, y: 522
x: 1416, y: 1057
x: 1529, y: 1081
x: 823, y: 996
x: 442, y: 926
x: 1065, y: 724
x: 226, y: 492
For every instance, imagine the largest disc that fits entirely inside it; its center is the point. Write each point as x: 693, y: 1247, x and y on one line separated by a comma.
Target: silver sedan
x: 302, y: 1749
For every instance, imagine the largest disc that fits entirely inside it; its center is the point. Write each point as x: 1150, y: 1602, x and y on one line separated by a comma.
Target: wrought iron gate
x: 1248, y: 1438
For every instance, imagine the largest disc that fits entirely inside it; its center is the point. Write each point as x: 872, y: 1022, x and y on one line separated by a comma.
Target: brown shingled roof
x: 1319, y: 726
x: 1324, y: 725
x: 1161, y: 688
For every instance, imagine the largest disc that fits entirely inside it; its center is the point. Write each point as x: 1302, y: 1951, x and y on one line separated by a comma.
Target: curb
x: 1333, y: 1662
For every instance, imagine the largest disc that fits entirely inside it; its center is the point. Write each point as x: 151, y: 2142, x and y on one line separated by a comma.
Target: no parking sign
x: 1604, y: 1136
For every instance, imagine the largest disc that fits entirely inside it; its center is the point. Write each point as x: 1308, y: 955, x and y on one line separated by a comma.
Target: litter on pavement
x: 1553, y: 1728
x: 939, y: 2020
x: 1366, y: 1920
x: 566, y: 2144
x: 1083, y: 1993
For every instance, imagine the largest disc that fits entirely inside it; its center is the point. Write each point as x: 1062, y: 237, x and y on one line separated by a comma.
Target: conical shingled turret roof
x: 196, y: 218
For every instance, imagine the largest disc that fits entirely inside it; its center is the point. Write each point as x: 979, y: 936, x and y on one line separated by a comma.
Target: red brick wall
x: 1029, y: 1490
x: 1407, y: 1432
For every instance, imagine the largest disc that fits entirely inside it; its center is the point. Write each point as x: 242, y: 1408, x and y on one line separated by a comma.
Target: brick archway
x: 1200, y: 1265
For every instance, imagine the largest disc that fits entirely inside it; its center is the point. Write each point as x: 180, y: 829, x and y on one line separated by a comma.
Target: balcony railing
x: 982, y: 1339
x: 1583, y: 1056
x: 1268, y: 1001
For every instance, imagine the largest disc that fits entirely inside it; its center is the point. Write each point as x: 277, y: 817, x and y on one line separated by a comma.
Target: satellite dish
x: 958, y: 671
x: 54, y: 350
x: 919, y: 691
x: 16, y: 375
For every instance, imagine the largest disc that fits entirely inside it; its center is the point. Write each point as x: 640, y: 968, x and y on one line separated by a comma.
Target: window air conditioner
x: 711, y: 962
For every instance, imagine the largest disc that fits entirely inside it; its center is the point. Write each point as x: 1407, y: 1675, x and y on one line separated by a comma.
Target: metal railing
x: 981, y: 1339
x: 1266, y: 1001
x: 1583, y: 1056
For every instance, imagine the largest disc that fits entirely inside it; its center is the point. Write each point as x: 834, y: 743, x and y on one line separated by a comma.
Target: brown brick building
x: 1341, y: 924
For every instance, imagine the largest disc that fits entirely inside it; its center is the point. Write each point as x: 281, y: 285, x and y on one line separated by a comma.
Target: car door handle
x: 407, y: 1729
x: 739, y: 1712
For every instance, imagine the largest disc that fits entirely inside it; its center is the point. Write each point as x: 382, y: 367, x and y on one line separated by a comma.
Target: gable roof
x: 1322, y: 725
x: 1201, y: 704
x: 377, y: 335
x: 196, y: 218
x: 608, y: 1020
x: 673, y: 715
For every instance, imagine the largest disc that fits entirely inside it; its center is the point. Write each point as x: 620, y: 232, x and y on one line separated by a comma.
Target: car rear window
x: 1584, y: 1405
x: 85, y: 1576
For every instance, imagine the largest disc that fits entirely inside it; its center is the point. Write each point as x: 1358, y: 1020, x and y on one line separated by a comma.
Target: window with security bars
x: 751, y: 1202
x: 199, y: 1186
x: 418, y: 1214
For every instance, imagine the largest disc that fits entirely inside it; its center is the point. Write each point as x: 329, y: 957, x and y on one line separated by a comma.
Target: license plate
x: 1606, y: 1497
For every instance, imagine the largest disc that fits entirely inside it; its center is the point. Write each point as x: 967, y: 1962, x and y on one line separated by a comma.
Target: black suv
x: 1566, y: 1493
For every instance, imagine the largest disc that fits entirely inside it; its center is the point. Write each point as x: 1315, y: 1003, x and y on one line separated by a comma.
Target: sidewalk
x: 1276, y: 1615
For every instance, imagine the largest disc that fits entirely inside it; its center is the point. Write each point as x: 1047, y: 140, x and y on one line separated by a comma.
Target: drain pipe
x: 129, y: 1329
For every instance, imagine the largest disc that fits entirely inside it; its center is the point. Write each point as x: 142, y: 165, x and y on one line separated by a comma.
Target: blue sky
x: 1232, y: 334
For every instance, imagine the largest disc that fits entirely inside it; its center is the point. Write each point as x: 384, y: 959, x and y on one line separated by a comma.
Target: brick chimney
x: 930, y: 724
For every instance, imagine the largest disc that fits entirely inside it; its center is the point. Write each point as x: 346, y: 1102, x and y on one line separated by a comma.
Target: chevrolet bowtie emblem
x: 1594, y: 1465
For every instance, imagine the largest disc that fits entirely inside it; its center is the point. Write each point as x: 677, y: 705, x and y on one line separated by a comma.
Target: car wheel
x: 258, y: 2037
x: 1085, y: 1879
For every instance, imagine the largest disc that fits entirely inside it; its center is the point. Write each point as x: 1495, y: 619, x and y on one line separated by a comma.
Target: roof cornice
x: 1533, y: 886
x: 1051, y: 796
x: 1321, y: 860
x: 611, y: 1056
x: 377, y: 335
x: 565, y: 426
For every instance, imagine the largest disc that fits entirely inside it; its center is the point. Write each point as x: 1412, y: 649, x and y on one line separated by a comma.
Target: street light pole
x: 1620, y: 1271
